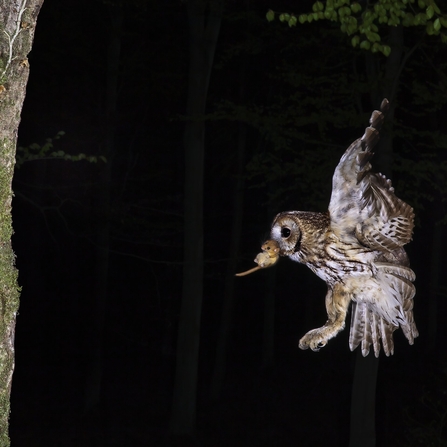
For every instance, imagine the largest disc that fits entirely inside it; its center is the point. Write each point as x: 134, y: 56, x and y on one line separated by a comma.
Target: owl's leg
x: 337, y: 303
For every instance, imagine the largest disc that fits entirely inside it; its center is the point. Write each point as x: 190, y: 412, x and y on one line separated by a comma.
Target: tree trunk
x: 18, y: 19
x: 203, y: 33
x: 268, y: 338
x: 102, y: 205
x: 434, y: 282
x: 226, y: 321
x: 363, y: 399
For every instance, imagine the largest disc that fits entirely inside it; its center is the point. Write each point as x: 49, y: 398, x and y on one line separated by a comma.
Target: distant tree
x: 204, y: 19
x: 18, y: 21
x: 102, y: 202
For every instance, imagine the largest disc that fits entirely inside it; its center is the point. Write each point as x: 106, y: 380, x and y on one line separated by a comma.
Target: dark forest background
x: 100, y: 245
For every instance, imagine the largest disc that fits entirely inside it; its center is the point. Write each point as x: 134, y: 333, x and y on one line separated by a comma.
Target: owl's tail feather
x: 410, y: 330
x: 368, y: 328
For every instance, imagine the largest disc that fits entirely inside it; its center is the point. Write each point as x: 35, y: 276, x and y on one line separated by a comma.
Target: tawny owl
x: 357, y: 249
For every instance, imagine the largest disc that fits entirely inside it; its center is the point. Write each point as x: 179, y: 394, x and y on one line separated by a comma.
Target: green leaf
x: 372, y: 37
x: 270, y: 15
x: 408, y: 19
x: 375, y: 48
x: 355, y: 40
x: 437, y: 24
x: 292, y: 21
x: 430, y: 12
x: 302, y: 18
x: 355, y: 7
x: 386, y: 50
x: 365, y: 45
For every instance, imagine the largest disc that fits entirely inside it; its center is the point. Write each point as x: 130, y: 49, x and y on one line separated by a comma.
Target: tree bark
x: 203, y: 33
x: 18, y: 20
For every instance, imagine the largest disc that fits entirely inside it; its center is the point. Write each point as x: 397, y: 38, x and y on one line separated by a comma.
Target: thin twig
x: 14, y: 37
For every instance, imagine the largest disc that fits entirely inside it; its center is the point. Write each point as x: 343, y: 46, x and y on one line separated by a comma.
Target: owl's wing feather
x: 368, y: 328
x: 363, y: 205
x: 376, y: 317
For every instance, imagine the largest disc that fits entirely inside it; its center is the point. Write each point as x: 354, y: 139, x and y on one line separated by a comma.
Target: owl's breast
x: 334, y: 261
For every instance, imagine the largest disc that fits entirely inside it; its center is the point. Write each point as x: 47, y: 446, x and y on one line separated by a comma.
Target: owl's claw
x: 315, y: 340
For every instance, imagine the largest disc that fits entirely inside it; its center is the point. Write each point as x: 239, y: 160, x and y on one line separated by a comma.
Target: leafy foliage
x: 363, y: 21
x: 36, y: 151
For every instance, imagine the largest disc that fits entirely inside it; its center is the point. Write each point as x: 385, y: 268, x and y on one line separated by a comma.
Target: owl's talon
x: 315, y: 340
x: 303, y: 345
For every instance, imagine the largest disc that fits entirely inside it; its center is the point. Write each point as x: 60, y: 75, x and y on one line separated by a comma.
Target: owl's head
x: 287, y: 233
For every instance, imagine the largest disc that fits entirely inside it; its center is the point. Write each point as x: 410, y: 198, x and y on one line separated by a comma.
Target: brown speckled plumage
x: 357, y: 249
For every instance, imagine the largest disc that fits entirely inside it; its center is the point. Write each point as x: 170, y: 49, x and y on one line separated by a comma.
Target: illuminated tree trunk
x: 18, y: 20
x: 204, y: 19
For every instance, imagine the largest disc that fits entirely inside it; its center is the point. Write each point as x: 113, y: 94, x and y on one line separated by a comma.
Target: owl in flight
x: 357, y: 249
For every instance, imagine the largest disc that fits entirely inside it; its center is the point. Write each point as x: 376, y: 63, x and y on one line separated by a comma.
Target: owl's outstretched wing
x: 363, y: 205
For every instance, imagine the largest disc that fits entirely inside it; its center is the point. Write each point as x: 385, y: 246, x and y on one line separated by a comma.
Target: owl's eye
x: 285, y: 232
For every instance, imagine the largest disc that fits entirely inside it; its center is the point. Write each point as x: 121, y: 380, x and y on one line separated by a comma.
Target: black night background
x: 100, y: 245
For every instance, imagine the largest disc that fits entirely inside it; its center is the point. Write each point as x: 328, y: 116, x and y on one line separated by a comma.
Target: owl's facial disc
x: 287, y: 233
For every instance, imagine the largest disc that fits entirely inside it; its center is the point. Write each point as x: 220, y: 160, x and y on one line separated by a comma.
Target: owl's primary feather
x: 357, y: 248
